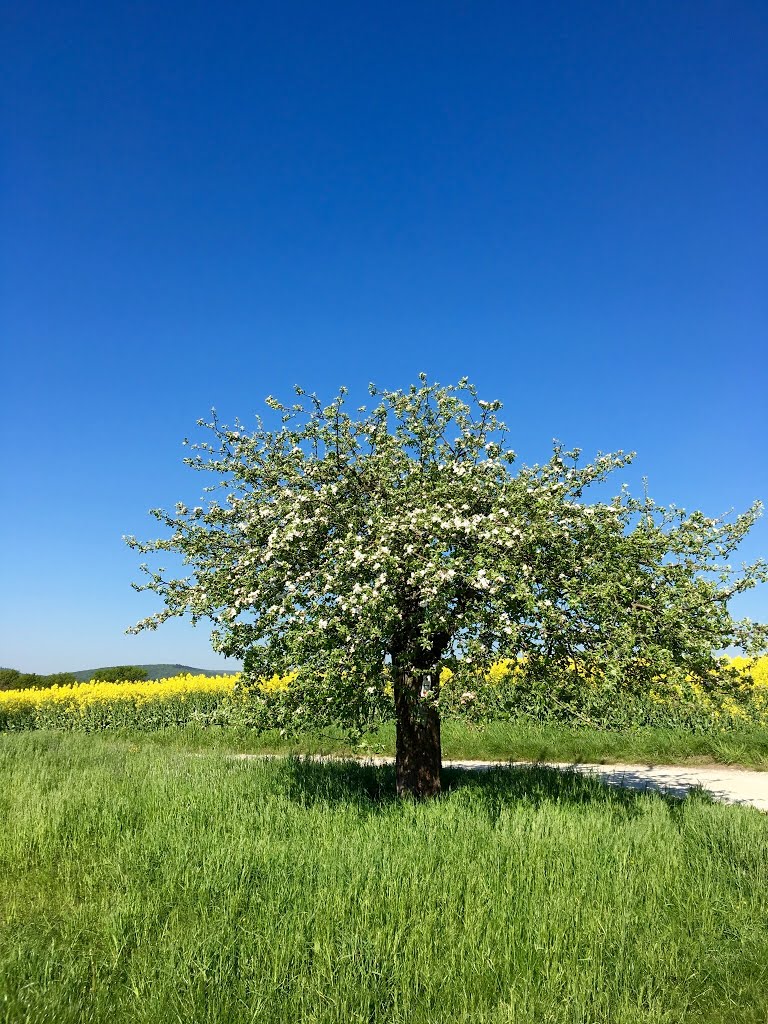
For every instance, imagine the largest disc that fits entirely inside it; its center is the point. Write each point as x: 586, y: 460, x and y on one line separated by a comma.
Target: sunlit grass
x: 140, y: 884
x: 502, y: 741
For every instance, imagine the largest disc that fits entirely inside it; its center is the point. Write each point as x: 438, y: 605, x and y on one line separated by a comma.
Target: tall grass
x: 145, y: 886
x: 495, y: 741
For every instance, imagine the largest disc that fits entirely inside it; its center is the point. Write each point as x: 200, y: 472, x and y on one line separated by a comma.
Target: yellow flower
x: 77, y: 697
x: 498, y: 672
x: 277, y: 683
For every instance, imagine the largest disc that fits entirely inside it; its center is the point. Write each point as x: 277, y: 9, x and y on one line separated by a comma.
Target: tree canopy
x: 407, y: 532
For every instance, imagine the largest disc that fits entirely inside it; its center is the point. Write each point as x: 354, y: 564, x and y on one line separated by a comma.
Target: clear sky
x: 203, y: 204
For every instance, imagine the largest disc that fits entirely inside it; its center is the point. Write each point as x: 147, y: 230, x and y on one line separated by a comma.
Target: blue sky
x: 205, y: 204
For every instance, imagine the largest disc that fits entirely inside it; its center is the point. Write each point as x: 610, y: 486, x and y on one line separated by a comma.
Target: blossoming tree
x: 353, y: 548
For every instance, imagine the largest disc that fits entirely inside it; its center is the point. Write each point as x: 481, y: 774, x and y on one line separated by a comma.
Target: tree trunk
x: 417, y: 744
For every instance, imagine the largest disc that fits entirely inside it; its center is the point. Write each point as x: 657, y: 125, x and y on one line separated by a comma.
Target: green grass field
x: 502, y: 741
x: 139, y: 884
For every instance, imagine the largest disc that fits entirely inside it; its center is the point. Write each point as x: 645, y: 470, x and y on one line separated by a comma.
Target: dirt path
x: 728, y: 785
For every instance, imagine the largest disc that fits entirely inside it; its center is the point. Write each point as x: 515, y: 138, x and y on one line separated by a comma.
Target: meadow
x: 495, y: 741
x: 141, y: 884
x: 146, y: 876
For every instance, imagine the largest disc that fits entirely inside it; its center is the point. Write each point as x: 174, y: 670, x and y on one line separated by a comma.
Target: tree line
x: 13, y: 679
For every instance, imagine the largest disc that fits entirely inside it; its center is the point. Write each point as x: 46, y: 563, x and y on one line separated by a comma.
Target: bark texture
x: 418, y: 758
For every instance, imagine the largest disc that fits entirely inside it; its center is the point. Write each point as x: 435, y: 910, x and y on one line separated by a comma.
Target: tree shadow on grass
x: 372, y: 787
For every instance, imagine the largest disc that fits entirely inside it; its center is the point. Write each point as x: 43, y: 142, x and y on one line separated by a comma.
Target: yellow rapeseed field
x: 101, y: 704
x: 82, y: 694
x: 184, y: 698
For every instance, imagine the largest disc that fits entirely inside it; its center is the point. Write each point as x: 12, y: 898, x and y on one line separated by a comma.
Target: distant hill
x: 158, y: 672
